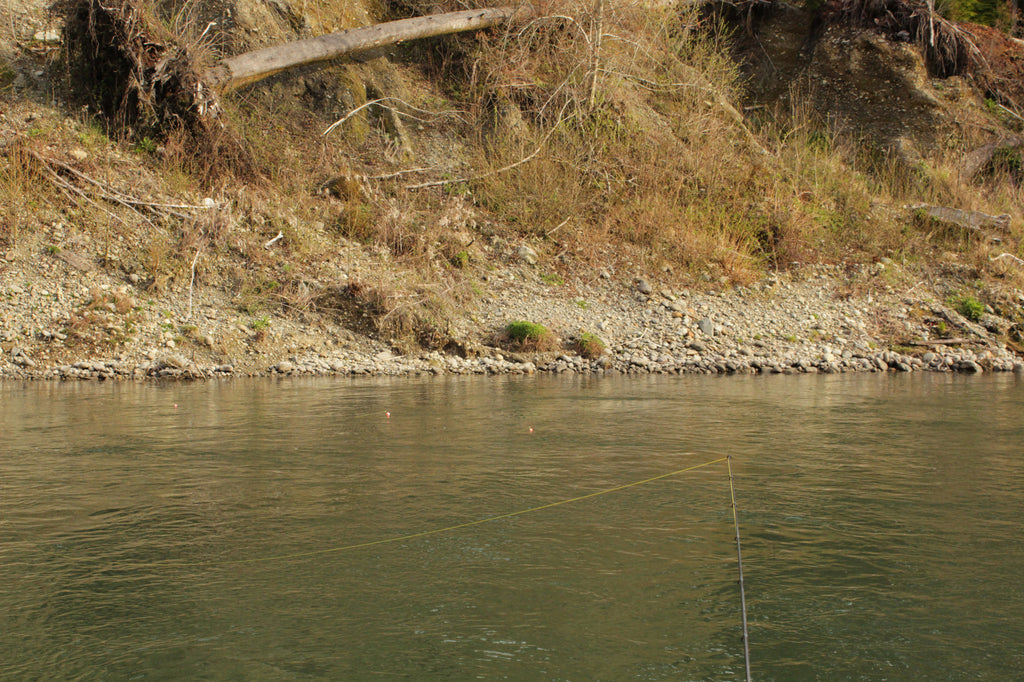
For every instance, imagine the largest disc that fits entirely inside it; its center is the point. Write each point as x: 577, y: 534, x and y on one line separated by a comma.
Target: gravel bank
x: 60, y: 322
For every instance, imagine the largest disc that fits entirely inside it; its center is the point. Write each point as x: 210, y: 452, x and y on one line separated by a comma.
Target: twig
x: 1011, y: 112
x: 520, y: 162
x: 1007, y: 255
x: 397, y: 111
x: 408, y: 171
x: 112, y: 195
x: 557, y: 227
x: 279, y: 236
x: 595, y: 56
x: 66, y: 186
x: 192, y: 281
x: 655, y: 86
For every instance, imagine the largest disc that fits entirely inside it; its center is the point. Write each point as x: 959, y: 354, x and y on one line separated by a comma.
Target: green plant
x: 553, y: 279
x: 260, y: 324
x: 460, y: 260
x: 1008, y: 160
x: 969, y: 307
x: 529, y: 336
x: 581, y: 304
x: 145, y: 146
x: 590, y: 346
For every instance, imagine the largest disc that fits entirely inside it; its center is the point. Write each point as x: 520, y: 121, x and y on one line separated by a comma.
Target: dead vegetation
x: 600, y: 139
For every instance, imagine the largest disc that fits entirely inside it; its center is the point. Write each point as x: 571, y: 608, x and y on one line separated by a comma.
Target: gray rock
x: 284, y: 367
x: 51, y: 36
x: 171, y: 361
x: 527, y: 255
x: 706, y: 326
x: 644, y: 287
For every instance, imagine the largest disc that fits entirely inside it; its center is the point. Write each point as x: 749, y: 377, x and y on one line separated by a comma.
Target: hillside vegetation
x: 605, y: 136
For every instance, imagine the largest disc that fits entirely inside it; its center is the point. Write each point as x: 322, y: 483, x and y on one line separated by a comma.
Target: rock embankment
x: 815, y: 319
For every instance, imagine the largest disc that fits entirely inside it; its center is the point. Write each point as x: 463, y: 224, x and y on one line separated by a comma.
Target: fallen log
x: 146, y: 81
x: 244, y: 69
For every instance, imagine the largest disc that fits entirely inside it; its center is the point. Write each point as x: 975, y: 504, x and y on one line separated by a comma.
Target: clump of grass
x: 528, y: 336
x: 969, y: 307
x: 590, y: 346
x: 405, y: 312
x: 259, y: 327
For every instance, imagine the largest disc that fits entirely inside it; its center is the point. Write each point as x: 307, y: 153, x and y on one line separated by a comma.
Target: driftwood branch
x: 1007, y: 255
x: 234, y: 72
x: 939, y: 342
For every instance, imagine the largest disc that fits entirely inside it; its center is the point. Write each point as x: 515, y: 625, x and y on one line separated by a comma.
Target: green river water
x: 197, y: 532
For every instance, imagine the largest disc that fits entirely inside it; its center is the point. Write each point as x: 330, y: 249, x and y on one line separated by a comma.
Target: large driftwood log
x: 250, y: 67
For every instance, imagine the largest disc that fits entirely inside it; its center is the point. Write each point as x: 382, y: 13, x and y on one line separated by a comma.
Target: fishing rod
x: 739, y: 561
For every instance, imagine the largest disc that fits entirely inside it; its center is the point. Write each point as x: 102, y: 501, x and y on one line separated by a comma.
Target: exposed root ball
x: 123, y: 62
x: 144, y: 81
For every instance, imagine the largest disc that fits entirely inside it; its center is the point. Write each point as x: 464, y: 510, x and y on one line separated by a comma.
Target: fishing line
x: 413, y: 536
x: 739, y: 562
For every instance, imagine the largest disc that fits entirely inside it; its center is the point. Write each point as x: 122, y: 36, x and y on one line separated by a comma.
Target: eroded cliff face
x: 875, y: 84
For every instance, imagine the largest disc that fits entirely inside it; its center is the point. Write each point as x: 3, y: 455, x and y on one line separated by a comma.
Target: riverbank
x: 639, y: 223
x: 62, y: 323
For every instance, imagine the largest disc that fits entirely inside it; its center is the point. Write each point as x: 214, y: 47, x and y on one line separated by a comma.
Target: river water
x: 164, y: 532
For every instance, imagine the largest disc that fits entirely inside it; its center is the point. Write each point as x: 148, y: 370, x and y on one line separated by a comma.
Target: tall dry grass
x: 660, y: 166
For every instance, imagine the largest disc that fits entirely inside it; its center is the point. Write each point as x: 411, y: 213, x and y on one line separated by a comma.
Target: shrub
x: 969, y: 307
x: 590, y: 346
x: 529, y: 336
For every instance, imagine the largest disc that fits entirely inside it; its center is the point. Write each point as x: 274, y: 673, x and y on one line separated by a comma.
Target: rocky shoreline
x: 811, y: 319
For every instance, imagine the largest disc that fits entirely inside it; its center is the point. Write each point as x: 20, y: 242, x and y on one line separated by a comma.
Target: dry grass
x: 19, y: 193
x: 643, y: 159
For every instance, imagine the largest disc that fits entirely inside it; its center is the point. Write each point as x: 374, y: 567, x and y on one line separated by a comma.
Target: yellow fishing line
x: 413, y: 536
